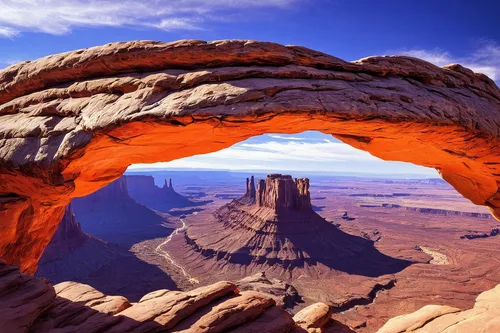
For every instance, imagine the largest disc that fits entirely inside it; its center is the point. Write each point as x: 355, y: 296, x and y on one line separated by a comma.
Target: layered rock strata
x: 281, y: 193
x: 23, y: 298
x: 283, y: 237
x: 284, y: 294
x: 73, y: 255
x: 69, y: 233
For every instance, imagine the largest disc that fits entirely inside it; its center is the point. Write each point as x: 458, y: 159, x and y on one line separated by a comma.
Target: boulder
x: 482, y: 318
x: 313, y: 317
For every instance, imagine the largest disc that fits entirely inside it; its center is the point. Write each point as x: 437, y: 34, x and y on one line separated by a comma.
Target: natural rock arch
x: 71, y: 123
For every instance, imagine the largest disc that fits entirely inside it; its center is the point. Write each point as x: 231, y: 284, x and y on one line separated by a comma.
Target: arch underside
x: 71, y: 123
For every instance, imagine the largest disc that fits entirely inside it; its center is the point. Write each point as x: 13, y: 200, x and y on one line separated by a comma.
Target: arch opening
x: 393, y: 255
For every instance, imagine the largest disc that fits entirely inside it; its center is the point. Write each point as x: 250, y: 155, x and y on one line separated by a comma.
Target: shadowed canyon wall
x: 71, y: 123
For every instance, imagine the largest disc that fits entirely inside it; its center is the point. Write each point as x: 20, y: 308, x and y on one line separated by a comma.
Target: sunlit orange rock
x: 71, y: 123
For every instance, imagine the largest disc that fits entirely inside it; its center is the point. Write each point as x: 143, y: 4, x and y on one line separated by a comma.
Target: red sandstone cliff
x: 281, y: 193
x: 112, y: 215
x: 73, y: 255
x: 69, y: 231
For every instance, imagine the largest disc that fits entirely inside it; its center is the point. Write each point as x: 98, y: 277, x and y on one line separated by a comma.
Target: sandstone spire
x: 68, y: 229
x: 250, y: 193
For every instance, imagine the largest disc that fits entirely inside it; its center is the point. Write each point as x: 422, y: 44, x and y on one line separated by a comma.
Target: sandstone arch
x: 71, y: 123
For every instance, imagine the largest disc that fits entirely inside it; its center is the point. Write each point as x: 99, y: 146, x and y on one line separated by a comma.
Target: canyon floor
x: 421, y: 222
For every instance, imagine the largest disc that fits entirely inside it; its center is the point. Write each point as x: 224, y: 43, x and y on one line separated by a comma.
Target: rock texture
x: 484, y: 317
x: 284, y: 294
x: 313, y: 318
x: 32, y: 305
x: 163, y: 199
x: 281, y: 193
x: 22, y: 298
x: 73, y: 122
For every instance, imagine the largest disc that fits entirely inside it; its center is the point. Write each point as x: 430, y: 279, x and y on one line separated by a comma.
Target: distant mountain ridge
x: 143, y: 190
x: 112, y: 215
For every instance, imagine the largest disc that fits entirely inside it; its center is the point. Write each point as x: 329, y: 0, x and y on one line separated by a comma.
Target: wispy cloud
x: 288, y: 137
x: 59, y: 17
x: 8, y: 32
x: 298, y: 150
x: 484, y: 59
x: 308, y: 151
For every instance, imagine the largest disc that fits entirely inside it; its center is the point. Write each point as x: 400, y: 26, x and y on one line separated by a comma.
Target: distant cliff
x: 144, y: 190
x: 112, y: 215
x: 68, y: 236
x: 73, y: 255
x: 437, y: 211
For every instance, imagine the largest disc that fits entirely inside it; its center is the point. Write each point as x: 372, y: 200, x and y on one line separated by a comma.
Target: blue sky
x: 467, y: 32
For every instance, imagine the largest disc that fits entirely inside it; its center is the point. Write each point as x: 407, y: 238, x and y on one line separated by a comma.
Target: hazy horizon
x: 309, y: 151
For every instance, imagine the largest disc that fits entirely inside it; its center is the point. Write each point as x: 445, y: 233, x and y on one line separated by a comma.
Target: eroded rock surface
x: 284, y: 294
x: 313, y: 318
x: 32, y: 305
x: 484, y: 317
x: 73, y: 255
x: 22, y: 298
x: 281, y: 193
x: 73, y: 122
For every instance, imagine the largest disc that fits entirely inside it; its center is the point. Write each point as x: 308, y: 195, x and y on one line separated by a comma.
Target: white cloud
x: 59, y: 17
x: 485, y: 59
x: 319, y: 153
x: 286, y: 137
x: 8, y: 32
x: 292, y: 151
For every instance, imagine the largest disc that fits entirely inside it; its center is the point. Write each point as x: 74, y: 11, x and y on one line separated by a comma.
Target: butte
x: 274, y: 229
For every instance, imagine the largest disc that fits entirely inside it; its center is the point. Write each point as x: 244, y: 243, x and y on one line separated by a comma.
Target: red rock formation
x: 30, y: 304
x: 73, y: 255
x: 113, y: 216
x: 250, y: 193
x: 282, y: 236
x: 284, y: 294
x: 69, y: 232
x: 281, y: 193
x: 73, y: 122
x: 22, y: 299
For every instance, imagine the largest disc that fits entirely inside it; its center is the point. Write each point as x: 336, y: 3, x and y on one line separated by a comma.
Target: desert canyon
x: 269, y: 254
